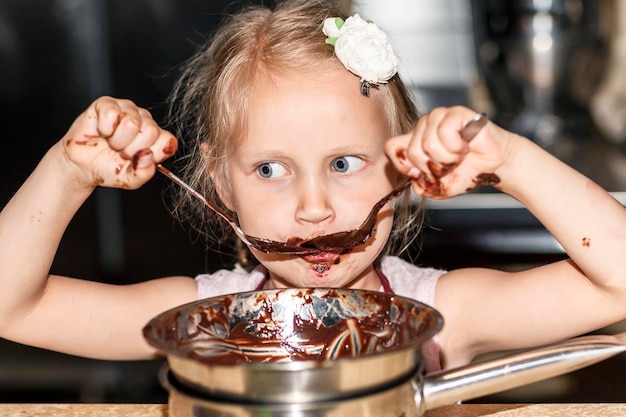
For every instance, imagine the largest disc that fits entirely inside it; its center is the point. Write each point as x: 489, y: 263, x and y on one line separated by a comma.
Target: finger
x: 432, y: 141
x: 119, y: 123
x: 165, y: 146
x: 145, y: 137
x: 144, y: 160
x: 396, y: 150
x: 426, y: 170
x: 405, y: 152
x: 133, y: 173
x: 458, y: 128
x: 108, y: 114
x: 451, y: 139
x: 417, y: 152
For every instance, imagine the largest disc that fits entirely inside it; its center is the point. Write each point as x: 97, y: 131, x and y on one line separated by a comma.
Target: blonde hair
x: 210, y: 98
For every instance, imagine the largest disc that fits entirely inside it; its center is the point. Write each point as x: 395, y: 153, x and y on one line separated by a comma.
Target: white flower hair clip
x: 363, y: 48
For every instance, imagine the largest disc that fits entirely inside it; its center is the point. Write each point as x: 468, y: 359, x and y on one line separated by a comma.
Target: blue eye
x: 271, y: 170
x: 347, y: 164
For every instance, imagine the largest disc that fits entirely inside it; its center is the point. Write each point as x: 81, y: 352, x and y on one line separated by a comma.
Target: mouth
x: 322, y: 258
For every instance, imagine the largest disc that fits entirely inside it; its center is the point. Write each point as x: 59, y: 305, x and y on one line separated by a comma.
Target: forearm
x: 31, y: 227
x: 587, y: 221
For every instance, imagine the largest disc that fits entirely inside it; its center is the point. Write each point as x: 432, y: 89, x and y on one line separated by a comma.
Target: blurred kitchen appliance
x: 541, y: 62
x: 434, y: 43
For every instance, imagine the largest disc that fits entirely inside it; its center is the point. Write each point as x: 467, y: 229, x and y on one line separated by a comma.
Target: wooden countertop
x: 461, y: 410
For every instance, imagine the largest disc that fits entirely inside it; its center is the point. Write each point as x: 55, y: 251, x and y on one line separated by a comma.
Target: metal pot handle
x: 514, y: 370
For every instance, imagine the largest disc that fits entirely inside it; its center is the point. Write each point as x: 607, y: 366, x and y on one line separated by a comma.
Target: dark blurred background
x: 56, y: 56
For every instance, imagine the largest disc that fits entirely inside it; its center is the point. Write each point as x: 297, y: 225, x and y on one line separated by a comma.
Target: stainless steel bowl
x: 331, y: 352
x: 294, y: 345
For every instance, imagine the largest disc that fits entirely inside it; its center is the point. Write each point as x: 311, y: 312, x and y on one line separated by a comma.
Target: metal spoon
x: 358, y: 236
x: 340, y: 241
x: 264, y: 245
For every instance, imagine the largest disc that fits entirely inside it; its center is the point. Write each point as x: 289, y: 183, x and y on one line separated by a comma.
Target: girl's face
x: 312, y: 163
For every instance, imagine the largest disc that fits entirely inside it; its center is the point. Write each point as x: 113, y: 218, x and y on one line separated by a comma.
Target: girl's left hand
x: 440, y: 162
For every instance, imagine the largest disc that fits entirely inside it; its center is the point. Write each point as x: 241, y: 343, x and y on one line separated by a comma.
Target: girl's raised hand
x: 438, y: 159
x: 115, y: 143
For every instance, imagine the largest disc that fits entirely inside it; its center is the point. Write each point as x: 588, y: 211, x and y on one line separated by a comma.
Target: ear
x: 218, y: 178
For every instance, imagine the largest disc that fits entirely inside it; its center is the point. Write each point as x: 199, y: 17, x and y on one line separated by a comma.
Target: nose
x: 313, y: 202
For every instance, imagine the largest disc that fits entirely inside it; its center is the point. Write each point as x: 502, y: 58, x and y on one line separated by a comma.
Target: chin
x: 353, y: 271
x: 300, y: 273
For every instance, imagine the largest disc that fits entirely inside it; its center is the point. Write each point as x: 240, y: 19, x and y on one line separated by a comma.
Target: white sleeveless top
x: 405, y: 279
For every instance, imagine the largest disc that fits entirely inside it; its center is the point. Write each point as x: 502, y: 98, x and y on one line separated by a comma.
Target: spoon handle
x: 471, y: 128
x: 196, y: 194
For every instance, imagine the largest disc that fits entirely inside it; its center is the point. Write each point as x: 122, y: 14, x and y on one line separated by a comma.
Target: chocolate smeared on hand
x: 484, y: 179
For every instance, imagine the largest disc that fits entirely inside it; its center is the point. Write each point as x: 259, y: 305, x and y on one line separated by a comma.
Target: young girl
x: 298, y: 136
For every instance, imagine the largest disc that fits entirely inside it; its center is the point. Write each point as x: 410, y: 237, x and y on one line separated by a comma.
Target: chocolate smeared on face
x: 320, y: 268
x: 312, y: 325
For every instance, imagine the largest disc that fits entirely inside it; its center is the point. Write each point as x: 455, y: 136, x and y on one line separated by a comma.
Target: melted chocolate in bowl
x: 294, y: 345
x: 291, y: 325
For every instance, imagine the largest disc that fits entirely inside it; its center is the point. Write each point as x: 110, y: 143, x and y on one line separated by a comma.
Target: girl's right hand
x: 115, y: 143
